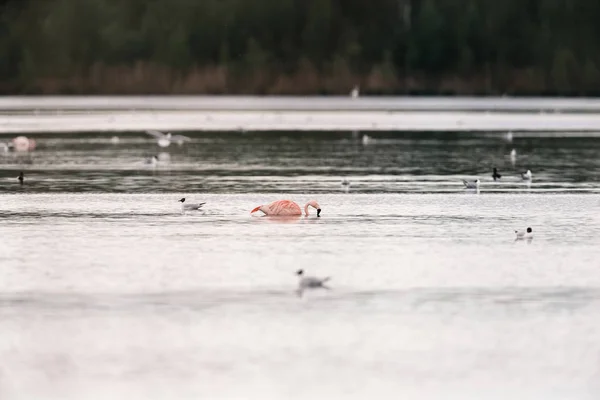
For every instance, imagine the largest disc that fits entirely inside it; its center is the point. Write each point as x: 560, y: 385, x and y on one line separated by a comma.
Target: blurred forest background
x: 515, y: 47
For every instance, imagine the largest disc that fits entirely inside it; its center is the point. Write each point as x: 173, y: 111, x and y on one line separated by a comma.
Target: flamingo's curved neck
x: 306, y: 209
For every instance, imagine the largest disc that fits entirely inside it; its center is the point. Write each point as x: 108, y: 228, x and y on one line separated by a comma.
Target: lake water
x: 108, y: 291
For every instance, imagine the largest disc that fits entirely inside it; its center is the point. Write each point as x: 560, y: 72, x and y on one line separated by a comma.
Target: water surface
x: 108, y: 291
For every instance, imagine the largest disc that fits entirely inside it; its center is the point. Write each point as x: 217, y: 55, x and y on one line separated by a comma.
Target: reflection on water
x: 296, y: 163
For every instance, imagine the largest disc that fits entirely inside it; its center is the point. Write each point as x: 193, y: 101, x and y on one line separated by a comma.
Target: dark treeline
x: 300, y: 46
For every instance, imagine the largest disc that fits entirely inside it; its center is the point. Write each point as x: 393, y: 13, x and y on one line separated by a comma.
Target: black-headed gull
x: 528, y: 234
x: 310, y: 282
x: 164, y: 140
x: 190, y: 207
x: 471, y: 184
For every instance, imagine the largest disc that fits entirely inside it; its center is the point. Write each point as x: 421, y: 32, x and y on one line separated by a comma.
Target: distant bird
x: 346, y: 183
x: 496, y: 175
x: 310, y: 282
x: 287, y: 208
x: 513, y: 156
x: 471, y: 184
x: 190, y: 207
x: 164, y: 140
x: 153, y: 161
x: 366, y: 139
x: 114, y: 140
x: 21, y: 177
x: 23, y: 143
x: 526, y: 176
x: 355, y: 92
x: 524, y: 234
x: 508, y: 136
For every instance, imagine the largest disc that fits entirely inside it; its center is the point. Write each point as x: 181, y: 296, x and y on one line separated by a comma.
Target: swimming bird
x: 355, y: 92
x: 496, y: 175
x: 526, y: 176
x: 21, y: 177
x: 346, y: 183
x: 310, y: 282
x: 23, y: 143
x: 164, y: 140
x: 471, y: 184
x: 114, y: 140
x: 287, y: 208
x: 508, y: 136
x: 366, y: 139
x: 190, y: 207
x: 524, y: 234
x: 153, y: 161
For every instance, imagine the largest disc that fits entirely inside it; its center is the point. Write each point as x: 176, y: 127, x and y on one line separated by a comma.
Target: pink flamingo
x: 287, y: 208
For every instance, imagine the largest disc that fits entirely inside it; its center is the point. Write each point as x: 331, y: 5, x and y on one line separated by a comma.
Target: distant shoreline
x: 72, y: 114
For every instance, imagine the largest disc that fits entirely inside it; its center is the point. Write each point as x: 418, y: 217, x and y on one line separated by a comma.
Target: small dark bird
x: 21, y: 178
x: 496, y: 175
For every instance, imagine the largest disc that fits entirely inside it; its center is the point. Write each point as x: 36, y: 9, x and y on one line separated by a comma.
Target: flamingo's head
x: 314, y: 205
x: 182, y: 200
x: 256, y: 209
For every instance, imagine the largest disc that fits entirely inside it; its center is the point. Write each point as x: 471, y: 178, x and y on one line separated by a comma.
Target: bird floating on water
x: 287, y: 208
x: 366, y: 139
x: 114, y: 140
x: 496, y: 175
x: 153, y: 161
x: 310, y: 282
x: 21, y: 177
x: 22, y: 144
x: 355, y: 92
x: 190, y: 207
x: 164, y: 140
x: 526, y: 176
x: 508, y: 136
x: 471, y: 184
x: 528, y: 234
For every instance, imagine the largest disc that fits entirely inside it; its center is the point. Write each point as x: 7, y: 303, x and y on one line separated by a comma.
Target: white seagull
x: 471, y: 184
x: 527, y: 176
x: 190, y: 207
x: 164, y: 140
x: 355, y: 92
x: 310, y: 282
x: 524, y: 234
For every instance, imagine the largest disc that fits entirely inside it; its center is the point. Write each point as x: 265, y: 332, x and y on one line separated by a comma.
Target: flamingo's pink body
x: 287, y: 208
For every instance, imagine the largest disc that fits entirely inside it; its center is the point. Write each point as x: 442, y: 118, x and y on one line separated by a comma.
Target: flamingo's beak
x: 318, y: 212
x: 255, y: 210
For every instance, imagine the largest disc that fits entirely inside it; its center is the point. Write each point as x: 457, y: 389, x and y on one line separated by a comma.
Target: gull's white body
x: 164, y: 140
x: 471, y: 184
x: 527, y: 176
x: 190, y: 206
x: 310, y: 282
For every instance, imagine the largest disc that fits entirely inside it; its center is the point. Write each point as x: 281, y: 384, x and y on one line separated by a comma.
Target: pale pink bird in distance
x: 287, y: 208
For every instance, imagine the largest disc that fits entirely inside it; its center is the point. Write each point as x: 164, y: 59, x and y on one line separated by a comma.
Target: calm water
x: 108, y: 291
